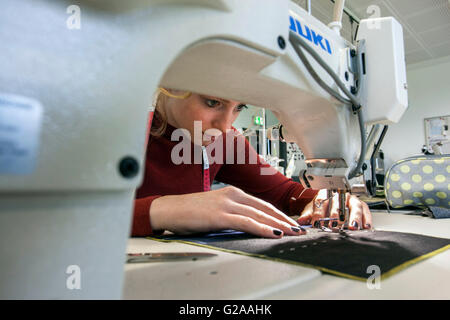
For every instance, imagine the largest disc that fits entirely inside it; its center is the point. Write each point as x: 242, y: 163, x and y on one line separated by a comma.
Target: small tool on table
x: 167, y: 256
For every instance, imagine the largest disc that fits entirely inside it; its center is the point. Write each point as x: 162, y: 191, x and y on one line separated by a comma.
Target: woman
x: 175, y: 194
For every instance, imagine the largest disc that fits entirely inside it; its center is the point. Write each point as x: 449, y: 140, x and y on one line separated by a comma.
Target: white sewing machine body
x: 95, y: 86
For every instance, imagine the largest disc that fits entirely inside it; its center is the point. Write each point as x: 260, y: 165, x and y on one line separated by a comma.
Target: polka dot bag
x: 420, y: 181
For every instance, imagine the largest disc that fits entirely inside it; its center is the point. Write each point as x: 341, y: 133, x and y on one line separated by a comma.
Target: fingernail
x: 368, y: 226
x: 334, y: 224
x: 277, y: 232
x: 295, y: 229
x: 316, y: 224
x: 303, y: 229
x: 355, y: 224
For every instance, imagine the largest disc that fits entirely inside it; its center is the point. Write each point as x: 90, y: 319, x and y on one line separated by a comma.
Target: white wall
x: 245, y: 118
x: 429, y: 96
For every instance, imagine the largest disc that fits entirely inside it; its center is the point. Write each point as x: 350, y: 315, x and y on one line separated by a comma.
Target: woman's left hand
x: 359, y: 212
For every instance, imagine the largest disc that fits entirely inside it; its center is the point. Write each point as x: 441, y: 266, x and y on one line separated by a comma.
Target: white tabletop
x: 235, y: 276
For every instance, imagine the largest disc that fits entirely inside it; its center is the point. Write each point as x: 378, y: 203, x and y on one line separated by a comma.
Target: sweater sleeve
x: 141, y: 226
x: 261, y: 180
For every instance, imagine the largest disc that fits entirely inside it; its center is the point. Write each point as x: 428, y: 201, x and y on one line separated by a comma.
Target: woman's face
x: 212, y: 112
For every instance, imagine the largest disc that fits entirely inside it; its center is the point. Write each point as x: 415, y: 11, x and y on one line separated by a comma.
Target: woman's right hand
x: 226, y: 208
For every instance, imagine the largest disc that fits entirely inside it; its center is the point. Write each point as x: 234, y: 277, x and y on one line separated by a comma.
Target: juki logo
x: 309, y: 34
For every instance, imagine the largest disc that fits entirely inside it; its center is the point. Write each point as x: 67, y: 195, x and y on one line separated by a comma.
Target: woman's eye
x: 241, y: 107
x: 212, y: 103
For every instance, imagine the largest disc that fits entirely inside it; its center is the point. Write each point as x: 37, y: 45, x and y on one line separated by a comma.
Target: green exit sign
x: 258, y: 120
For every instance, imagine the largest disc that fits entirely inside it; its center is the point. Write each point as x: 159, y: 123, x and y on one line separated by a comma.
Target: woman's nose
x: 224, y: 121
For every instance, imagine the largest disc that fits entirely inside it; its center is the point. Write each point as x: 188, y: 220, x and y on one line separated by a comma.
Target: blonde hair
x: 160, y: 115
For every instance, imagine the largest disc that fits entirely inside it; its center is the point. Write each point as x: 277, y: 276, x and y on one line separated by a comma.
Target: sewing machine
x: 75, y: 97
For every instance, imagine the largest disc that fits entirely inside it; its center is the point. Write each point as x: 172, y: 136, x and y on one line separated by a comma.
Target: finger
x: 334, y: 213
x: 367, y: 216
x: 356, y: 213
x: 247, y: 224
x: 264, y: 206
x: 319, y: 212
x: 264, y: 218
x: 306, y: 215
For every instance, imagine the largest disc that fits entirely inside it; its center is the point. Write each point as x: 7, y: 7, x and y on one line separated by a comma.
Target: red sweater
x: 163, y: 177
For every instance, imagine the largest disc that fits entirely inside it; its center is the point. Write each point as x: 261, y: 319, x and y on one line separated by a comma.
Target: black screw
x: 353, y: 90
x: 364, y: 166
x: 281, y: 42
x: 355, y: 109
x: 353, y: 53
x: 311, y: 178
x: 128, y: 167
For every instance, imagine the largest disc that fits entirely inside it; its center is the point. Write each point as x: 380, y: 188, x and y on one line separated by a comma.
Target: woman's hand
x: 359, y: 212
x: 226, y: 208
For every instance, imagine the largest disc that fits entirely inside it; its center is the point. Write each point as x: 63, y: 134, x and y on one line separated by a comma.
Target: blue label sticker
x: 20, y: 126
x: 309, y: 34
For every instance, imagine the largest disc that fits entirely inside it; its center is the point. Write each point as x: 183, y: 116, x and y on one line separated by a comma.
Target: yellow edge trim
x: 345, y: 275
x: 413, y: 261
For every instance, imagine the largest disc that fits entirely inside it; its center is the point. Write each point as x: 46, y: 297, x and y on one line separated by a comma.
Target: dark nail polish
x: 334, y: 224
x: 295, y: 229
x: 277, y: 232
x: 368, y: 226
x: 303, y: 229
x: 317, y: 224
x: 355, y: 224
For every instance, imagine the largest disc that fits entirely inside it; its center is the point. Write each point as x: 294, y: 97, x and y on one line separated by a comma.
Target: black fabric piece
x: 440, y: 213
x: 430, y: 211
x: 346, y: 255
